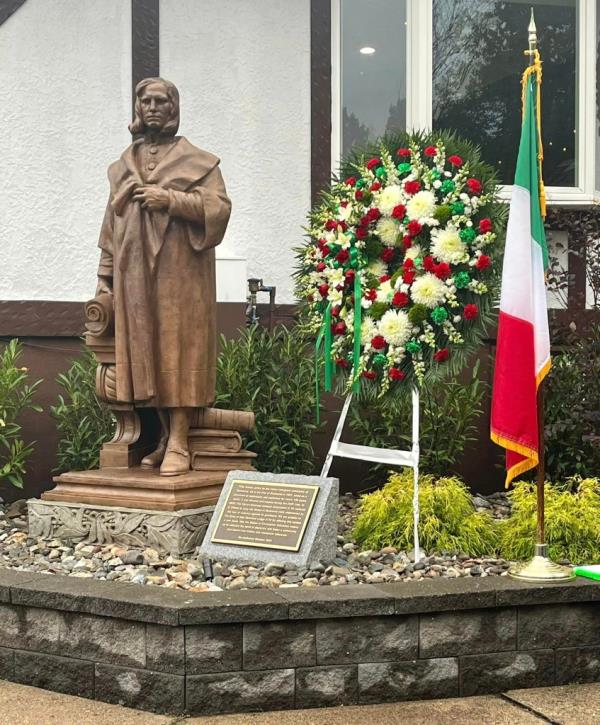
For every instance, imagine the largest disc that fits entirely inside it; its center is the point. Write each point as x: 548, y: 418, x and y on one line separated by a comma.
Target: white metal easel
x: 382, y: 455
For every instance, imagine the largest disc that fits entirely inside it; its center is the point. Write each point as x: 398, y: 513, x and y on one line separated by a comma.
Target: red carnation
x: 375, y: 186
x: 369, y: 374
x: 414, y: 228
x: 339, y: 328
x: 406, y: 241
x: 335, y: 311
x: 408, y: 263
x: 351, y: 181
x: 399, y: 212
x: 428, y: 263
x: 371, y: 295
x: 323, y: 289
x: 330, y: 225
x: 342, y: 363
x: 396, y: 374
x: 403, y: 152
x: 378, y: 342
x: 455, y: 160
x: 361, y: 233
x: 358, y: 195
x: 409, y: 276
x: 373, y: 163
x: 483, y: 262
x: 321, y: 266
x: 325, y: 251
x: 342, y: 225
x: 475, y: 186
x: 470, y: 312
x: 387, y: 255
x: 342, y: 256
x: 441, y: 355
x: 411, y: 187
x: 430, y: 151
x: 349, y: 276
x: 373, y: 214
x: 384, y: 278
x: 400, y: 299
x: 485, y: 225
x: 442, y: 270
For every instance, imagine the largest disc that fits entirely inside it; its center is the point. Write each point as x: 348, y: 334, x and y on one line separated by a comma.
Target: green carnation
x: 379, y: 359
x: 458, y: 208
x: 377, y: 310
x: 417, y: 314
x: 462, y: 280
x: 467, y: 235
x: 442, y: 213
x: 434, y: 174
x: 418, y: 262
x: 439, y: 315
x: 403, y: 168
x: 447, y: 186
x: 361, y: 183
x: 413, y: 347
x: 381, y: 173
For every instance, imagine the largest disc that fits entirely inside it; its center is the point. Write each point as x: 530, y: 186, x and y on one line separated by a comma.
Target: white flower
x: 388, y: 230
x: 395, y: 327
x: 413, y: 252
x: 345, y: 212
x: 421, y: 205
x: 388, y: 198
x: 448, y: 246
x: 378, y: 268
x: 384, y: 293
x: 335, y: 296
x: 428, y: 290
x: 334, y: 276
x: 368, y: 330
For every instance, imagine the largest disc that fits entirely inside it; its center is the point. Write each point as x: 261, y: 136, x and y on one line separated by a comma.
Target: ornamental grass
x: 448, y: 519
x: 572, y: 517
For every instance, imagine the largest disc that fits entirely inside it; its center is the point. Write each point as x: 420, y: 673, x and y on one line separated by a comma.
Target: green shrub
x: 448, y: 416
x: 572, y: 521
x: 83, y: 421
x: 448, y: 519
x: 16, y: 396
x: 571, y: 410
x: 272, y: 374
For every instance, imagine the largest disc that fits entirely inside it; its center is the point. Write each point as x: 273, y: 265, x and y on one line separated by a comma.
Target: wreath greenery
x: 402, y: 263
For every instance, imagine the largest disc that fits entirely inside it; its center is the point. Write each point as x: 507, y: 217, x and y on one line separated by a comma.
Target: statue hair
x: 137, y: 126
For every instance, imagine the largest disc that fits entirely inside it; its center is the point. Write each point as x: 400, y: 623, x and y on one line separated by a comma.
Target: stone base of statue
x: 170, y: 532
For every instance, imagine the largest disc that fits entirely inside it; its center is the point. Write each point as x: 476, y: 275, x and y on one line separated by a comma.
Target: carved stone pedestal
x: 176, y: 533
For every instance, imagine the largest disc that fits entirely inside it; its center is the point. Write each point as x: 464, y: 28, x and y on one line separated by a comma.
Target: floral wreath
x: 401, y: 266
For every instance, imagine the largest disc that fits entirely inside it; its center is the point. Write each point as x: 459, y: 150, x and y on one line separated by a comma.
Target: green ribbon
x: 357, y: 332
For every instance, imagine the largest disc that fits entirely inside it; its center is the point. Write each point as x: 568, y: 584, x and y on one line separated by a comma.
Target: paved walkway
x: 569, y: 705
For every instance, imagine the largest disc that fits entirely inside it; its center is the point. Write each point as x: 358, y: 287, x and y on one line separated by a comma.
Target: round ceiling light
x: 367, y: 50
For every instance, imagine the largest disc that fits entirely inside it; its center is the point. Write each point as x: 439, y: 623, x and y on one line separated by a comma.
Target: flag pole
x: 541, y: 568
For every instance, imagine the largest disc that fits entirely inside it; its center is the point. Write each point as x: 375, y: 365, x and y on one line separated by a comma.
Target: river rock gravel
x: 352, y: 564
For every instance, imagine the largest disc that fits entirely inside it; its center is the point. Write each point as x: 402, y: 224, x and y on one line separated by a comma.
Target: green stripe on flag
x: 526, y: 174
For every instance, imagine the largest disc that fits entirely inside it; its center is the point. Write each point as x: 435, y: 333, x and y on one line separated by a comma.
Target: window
x: 457, y: 64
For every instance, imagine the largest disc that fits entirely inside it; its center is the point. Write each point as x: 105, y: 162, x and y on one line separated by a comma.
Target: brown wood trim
x: 320, y: 96
x: 8, y: 7
x: 145, y: 45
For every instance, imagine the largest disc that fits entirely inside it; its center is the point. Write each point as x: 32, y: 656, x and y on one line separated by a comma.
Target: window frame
x: 419, y: 90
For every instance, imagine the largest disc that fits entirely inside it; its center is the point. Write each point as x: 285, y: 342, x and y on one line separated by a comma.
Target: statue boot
x: 177, y: 456
x: 154, y: 459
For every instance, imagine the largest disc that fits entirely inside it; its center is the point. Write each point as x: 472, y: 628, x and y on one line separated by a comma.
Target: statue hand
x: 152, y: 197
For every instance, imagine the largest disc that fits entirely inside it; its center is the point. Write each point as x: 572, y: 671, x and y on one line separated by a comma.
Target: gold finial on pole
x: 532, y: 37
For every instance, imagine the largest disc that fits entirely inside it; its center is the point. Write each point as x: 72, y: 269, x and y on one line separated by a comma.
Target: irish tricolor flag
x: 523, y: 344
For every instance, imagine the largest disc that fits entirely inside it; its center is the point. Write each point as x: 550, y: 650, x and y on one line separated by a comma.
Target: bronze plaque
x: 266, y: 515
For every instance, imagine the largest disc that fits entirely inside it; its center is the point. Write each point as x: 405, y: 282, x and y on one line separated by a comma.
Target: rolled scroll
x: 100, y: 315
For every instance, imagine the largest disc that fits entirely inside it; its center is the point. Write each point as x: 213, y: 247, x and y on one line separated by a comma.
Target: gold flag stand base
x: 541, y: 568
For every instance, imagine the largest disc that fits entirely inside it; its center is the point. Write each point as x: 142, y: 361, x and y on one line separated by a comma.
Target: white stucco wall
x: 243, y: 71
x: 65, y: 100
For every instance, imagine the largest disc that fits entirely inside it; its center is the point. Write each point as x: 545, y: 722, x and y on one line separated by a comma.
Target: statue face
x: 156, y: 106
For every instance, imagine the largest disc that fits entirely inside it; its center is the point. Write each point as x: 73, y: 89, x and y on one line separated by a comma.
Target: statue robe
x: 163, y: 269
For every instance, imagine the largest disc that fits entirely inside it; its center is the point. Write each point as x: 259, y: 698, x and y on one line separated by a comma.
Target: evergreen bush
x: 448, y: 519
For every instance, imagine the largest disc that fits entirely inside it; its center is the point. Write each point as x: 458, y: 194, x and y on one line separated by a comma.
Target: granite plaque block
x: 278, y: 518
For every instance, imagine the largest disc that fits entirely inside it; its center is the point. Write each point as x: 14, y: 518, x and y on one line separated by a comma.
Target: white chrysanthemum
x: 378, y: 268
x: 421, y: 205
x: 428, y: 290
x: 385, y: 292
x: 334, y: 276
x: 388, y: 198
x: 395, y: 327
x: 368, y: 330
x: 448, y: 246
x: 388, y: 229
x: 413, y: 252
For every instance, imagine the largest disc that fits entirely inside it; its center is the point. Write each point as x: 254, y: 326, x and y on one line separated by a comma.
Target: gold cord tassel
x: 536, y: 68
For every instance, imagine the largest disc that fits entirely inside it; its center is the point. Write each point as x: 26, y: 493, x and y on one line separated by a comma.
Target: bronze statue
x: 167, y: 211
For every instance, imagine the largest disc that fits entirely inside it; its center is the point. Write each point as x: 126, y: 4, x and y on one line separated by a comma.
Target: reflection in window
x: 374, y: 80
x: 477, y: 65
x: 597, y: 94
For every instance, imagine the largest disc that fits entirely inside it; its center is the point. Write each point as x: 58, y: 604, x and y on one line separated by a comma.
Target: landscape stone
x: 29, y: 628
x: 318, y: 542
x: 326, y: 686
x: 577, y: 664
x: 483, y: 674
x: 559, y: 626
x: 410, y: 680
x: 144, y: 689
x: 61, y: 674
x: 447, y: 634
x: 213, y: 648
x: 291, y: 644
x: 164, y: 648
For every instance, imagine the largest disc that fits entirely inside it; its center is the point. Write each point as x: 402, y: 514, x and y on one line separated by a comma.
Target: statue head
x: 156, y: 107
